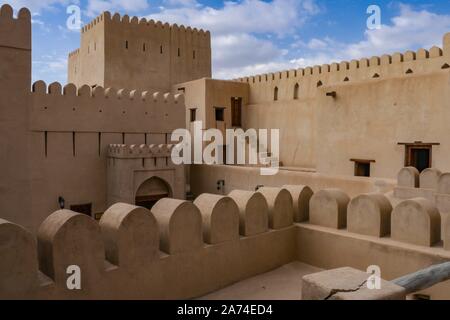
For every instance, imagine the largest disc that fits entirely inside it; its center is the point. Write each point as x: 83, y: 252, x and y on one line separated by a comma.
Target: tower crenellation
x: 139, y: 53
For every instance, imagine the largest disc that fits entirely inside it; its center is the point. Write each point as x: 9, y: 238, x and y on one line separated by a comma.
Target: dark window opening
x: 376, y: 75
x: 73, y: 144
x: 220, y: 114
x: 193, y: 113
x: 179, y: 52
x: 319, y: 84
x: 296, y: 88
x: 193, y: 54
x: 409, y: 71
x: 418, y: 155
x: 275, y: 94
x: 182, y: 89
x: 126, y: 44
x: 161, y: 49
x: 446, y: 66
x: 346, y: 79
x: 236, y: 112
x: 143, y: 47
x: 362, y: 169
x: 82, y: 208
x: 419, y: 158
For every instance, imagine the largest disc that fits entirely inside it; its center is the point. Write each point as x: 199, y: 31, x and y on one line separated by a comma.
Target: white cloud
x: 244, y: 34
x: 94, y: 7
x: 249, y: 16
x: 51, y: 66
x: 410, y: 30
x: 226, y: 47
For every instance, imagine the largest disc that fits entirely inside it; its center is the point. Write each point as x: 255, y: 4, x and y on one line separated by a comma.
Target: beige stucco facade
x: 378, y: 103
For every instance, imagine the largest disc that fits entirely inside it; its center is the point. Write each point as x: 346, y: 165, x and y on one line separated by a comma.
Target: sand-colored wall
x: 174, y: 255
x: 55, y: 139
x: 423, y: 61
x: 170, y: 258
x: 206, y: 94
x: 86, y: 65
x: 15, y: 80
x: 368, y: 120
x: 70, y: 132
x: 146, y: 55
x: 330, y: 249
x: 204, y: 179
x: 366, y: 108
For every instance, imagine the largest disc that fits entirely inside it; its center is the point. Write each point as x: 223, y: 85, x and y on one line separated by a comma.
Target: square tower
x: 139, y: 54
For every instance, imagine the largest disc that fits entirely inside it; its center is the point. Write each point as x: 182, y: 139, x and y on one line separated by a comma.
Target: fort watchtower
x: 146, y: 55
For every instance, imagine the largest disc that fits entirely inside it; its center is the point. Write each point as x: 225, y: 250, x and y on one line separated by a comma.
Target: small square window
x: 220, y: 114
x: 362, y: 167
x: 193, y: 113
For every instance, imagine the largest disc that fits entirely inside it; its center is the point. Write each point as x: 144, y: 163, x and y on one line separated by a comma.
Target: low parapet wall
x: 178, y: 250
x: 182, y: 250
x: 204, y: 179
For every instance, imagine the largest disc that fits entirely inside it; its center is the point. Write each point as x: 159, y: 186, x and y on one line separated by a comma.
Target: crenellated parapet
x: 363, y: 64
x: 431, y: 184
x: 125, y: 46
x: 308, y: 79
x: 180, y: 249
x: 68, y: 108
x: 126, y: 21
x: 15, y: 32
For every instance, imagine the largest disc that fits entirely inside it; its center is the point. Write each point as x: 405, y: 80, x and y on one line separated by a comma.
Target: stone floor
x: 281, y: 284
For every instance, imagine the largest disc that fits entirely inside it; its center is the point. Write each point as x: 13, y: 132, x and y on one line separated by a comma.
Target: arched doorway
x: 151, y: 191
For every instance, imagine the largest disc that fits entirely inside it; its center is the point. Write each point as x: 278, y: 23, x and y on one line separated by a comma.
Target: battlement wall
x: 125, y: 46
x: 85, y: 109
x: 180, y: 250
x: 307, y: 80
x: 184, y: 250
x: 431, y: 184
x: 15, y: 32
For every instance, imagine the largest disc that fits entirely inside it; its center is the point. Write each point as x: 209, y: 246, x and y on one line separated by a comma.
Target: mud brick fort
x: 87, y: 176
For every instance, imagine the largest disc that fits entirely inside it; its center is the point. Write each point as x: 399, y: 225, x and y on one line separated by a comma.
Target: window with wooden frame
x: 419, y: 154
x: 362, y: 167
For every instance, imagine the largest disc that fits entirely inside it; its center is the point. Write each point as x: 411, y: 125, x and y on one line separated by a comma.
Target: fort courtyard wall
x: 185, y: 250
x: 388, y: 93
x: 55, y: 139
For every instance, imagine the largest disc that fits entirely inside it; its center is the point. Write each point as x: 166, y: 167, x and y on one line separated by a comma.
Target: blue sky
x: 253, y: 36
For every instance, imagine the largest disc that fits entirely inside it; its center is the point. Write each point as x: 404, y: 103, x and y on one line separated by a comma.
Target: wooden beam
x: 425, y: 278
x: 418, y: 144
x: 363, y: 160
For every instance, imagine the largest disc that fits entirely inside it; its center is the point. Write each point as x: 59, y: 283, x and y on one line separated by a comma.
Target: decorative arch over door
x: 152, y: 190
